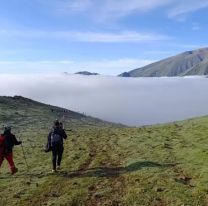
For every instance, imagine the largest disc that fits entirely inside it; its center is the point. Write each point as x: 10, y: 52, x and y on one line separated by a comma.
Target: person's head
x: 56, y: 124
x: 61, y: 125
x: 7, y: 128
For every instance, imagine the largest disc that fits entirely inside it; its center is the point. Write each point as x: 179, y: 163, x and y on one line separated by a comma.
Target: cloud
x: 88, y: 36
x: 69, y: 5
x: 188, y: 46
x: 132, y: 101
x: 187, y: 6
x: 122, y: 7
x: 174, y: 8
x: 126, y: 36
x: 113, y: 9
x: 116, y: 9
x: 103, y: 66
x: 75, y: 5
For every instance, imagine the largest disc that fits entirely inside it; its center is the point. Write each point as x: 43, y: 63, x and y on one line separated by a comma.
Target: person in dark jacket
x: 8, y: 140
x: 56, y: 141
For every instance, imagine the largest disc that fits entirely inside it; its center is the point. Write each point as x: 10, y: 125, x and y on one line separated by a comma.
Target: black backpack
x: 56, y: 139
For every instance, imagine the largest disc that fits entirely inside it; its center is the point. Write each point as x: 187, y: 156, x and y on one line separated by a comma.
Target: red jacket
x: 10, y: 141
x: 2, y: 144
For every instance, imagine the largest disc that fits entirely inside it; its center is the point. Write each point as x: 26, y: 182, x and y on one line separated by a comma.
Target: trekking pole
x: 24, y: 155
x: 63, y: 121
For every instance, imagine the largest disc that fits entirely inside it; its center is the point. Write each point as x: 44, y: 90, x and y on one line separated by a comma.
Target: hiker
x: 55, y: 144
x: 7, y: 142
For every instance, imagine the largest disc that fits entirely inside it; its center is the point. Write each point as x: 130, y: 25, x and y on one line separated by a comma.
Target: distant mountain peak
x: 86, y: 73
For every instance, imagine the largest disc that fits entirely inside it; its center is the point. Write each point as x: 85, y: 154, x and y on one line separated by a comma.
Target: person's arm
x: 49, y: 138
x: 48, y: 144
x: 64, y: 134
x: 15, y: 141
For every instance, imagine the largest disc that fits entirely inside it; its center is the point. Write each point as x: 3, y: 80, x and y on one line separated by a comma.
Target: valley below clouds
x: 130, y: 101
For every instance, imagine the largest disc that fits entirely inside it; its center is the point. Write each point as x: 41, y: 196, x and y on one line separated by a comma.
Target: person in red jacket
x: 7, y: 142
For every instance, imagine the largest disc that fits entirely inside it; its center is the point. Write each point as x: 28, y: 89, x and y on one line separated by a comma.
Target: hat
x: 7, y: 127
x: 56, y: 123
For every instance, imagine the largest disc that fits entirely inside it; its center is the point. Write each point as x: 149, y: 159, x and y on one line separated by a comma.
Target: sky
x: 130, y: 101
x: 104, y: 36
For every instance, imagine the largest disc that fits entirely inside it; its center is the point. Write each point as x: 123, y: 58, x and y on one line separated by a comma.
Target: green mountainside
x: 104, y: 164
x: 187, y: 63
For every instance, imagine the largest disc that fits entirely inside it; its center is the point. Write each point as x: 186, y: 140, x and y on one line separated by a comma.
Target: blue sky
x: 105, y: 36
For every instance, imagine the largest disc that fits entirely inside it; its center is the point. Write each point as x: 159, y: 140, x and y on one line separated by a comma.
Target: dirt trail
x: 110, y: 179
x: 87, y: 163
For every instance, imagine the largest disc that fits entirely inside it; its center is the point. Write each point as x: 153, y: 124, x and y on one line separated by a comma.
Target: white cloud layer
x: 132, y: 101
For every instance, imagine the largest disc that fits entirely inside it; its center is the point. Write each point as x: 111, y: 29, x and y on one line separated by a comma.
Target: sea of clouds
x: 131, y: 101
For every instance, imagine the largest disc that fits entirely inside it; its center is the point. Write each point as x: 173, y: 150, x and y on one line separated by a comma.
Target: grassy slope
x: 107, y: 165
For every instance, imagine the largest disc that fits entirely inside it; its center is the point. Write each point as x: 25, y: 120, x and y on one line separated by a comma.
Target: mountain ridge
x: 31, y: 111
x: 187, y: 63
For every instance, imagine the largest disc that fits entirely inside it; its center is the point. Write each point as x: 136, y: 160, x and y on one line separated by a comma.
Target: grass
x: 105, y: 164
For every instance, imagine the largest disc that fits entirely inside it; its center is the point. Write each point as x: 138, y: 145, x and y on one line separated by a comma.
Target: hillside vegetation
x: 105, y: 164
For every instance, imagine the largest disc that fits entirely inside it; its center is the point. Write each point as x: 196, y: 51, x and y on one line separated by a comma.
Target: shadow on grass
x: 113, y: 171
x: 97, y: 171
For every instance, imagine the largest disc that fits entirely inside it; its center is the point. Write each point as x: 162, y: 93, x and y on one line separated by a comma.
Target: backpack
x: 55, y: 139
x: 2, y: 144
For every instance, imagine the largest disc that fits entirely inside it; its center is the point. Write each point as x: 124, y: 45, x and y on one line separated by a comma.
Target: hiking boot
x: 53, y: 171
x: 14, y: 170
x: 58, y: 168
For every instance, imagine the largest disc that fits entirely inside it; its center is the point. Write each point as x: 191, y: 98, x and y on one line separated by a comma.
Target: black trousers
x: 57, y: 152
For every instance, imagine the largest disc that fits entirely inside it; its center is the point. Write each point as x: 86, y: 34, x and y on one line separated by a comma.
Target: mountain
x: 19, y: 111
x: 103, y: 164
x: 188, y: 63
x: 86, y: 73
x: 199, y: 69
